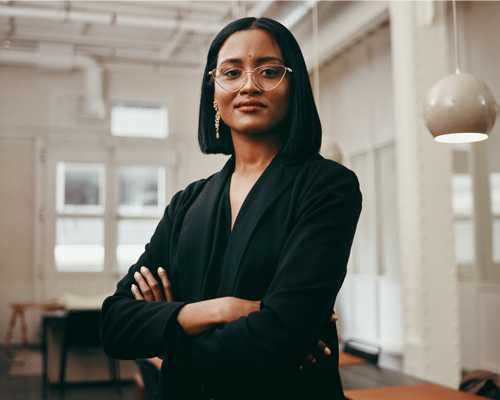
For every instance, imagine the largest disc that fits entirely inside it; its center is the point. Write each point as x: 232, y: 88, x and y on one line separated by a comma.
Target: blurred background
x: 98, y: 129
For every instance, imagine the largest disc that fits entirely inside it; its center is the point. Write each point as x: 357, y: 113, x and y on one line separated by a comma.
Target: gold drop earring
x: 217, y: 119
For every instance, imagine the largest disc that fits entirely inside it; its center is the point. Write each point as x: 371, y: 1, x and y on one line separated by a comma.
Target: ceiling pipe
x: 172, y: 45
x: 299, y: 12
x: 61, y: 57
x: 110, y: 18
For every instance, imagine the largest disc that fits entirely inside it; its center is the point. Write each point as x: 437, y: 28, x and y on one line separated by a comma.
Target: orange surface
x: 156, y: 362
x: 349, y: 359
x: 428, y: 391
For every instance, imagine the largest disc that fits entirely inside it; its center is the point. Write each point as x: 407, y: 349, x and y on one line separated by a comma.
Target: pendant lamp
x: 460, y: 108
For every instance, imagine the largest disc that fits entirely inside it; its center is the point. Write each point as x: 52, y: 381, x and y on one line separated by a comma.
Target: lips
x: 250, y: 105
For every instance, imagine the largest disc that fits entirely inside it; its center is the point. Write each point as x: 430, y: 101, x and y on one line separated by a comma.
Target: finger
x: 324, y: 348
x: 334, y: 318
x: 311, y: 359
x: 144, y: 287
x: 136, y: 292
x: 153, y: 284
x: 167, y: 286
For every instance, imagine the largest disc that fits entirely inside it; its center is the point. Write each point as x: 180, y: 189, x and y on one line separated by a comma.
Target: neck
x: 254, y: 153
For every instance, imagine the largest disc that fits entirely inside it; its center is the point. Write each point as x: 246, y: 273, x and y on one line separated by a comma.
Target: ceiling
x: 125, y: 34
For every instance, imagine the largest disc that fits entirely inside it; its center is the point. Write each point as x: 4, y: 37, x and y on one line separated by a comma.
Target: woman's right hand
x: 149, y: 289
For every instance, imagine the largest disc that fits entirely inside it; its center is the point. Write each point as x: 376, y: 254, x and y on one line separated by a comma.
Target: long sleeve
x: 298, y: 304
x: 132, y: 328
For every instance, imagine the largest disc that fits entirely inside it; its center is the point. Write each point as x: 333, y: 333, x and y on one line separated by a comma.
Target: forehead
x: 256, y: 43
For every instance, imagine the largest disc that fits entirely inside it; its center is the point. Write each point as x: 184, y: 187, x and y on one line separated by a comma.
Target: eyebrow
x: 258, y: 60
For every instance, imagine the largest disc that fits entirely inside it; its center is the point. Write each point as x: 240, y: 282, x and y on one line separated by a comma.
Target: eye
x: 270, y: 72
x: 231, y: 73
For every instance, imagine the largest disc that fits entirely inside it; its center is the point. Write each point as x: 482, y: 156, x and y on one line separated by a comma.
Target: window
x: 139, y: 120
x: 476, y: 208
x: 92, y: 234
x: 463, y: 211
x: 142, y: 200
x: 80, y: 210
x: 363, y: 247
x: 387, y: 205
x: 375, y: 248
x: 495, y: 213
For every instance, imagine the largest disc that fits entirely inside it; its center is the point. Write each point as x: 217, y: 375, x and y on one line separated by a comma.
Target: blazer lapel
x: 197, y: 234
x: 273, y: 181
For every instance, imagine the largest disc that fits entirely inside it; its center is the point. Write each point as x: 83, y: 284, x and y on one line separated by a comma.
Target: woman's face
x: 247, y: 50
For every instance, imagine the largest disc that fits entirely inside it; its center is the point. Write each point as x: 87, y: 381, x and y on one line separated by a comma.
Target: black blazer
x: 289, y: 248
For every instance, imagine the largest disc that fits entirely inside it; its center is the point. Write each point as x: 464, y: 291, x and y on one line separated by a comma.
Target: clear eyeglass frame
x: 213, y: 74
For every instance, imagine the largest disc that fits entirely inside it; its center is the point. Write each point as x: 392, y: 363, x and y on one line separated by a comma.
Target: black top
x: 288, y: 248
x: 221, y: 239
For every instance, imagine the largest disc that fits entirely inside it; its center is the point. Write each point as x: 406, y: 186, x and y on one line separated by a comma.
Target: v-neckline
x: 231, y: 226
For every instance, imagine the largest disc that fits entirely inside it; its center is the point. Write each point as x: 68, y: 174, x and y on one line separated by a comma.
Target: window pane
x: 496, y: 241
x: 464, y: 242
x: 132, y: 237
x: 386, y: 170
x: 363, y: 254
x: 495, y: 193
x: 139, y: 120
x: 80, y: 188
x: 79, y: 244
x: 462, y: 199
x: 142, y: 190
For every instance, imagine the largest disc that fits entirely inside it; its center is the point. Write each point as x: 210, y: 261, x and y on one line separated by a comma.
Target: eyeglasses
x: 266, y: 77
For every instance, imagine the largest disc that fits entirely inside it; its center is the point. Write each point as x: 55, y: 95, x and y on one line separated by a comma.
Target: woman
x: 252, y: 258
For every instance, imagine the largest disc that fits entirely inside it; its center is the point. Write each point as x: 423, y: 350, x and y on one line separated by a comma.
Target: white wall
x: 45, y: 105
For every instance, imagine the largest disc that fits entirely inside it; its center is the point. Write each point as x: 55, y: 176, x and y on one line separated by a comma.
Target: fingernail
x: 137, y: 275
x: 314, y: 361
x: 144, y: 270
x: 161, y: 270
x: 327, y: 351
x: 134, y: 287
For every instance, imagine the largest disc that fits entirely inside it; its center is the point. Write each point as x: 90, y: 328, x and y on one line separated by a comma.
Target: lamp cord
x: 456, y: 36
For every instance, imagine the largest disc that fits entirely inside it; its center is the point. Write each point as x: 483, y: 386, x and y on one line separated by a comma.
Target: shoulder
x: 185, y: 197
x: 326, y: 175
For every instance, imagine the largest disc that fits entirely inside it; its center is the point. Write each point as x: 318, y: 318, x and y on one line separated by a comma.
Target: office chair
x: 82, y: 330
x: 367, y: 351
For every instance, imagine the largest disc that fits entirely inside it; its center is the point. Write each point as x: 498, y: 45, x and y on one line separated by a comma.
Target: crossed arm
x: 197, y: 318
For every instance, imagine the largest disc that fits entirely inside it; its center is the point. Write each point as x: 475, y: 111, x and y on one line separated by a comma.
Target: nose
x: 249, y: 85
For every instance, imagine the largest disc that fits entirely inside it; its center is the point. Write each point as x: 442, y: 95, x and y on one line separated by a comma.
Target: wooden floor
x: 30, y: 388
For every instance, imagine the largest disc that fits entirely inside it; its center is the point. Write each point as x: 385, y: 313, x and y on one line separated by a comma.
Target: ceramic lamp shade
x: 460, y: 108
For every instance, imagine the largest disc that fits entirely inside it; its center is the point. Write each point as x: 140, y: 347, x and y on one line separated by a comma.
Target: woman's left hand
x: 149, y: 289
x: 323, y: 348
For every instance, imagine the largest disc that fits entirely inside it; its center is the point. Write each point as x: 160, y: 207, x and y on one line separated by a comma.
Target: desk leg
x: 26, y: 349
x: 8, y: 338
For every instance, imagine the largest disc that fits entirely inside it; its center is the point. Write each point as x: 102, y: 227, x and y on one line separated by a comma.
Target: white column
x: 431, y: 331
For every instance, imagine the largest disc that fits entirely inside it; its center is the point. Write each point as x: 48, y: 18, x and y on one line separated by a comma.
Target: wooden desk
x: 83, y: 364
x: 429, y: 391
x: 19, y: 311
x: 349, y: 359
x: 368, y: 376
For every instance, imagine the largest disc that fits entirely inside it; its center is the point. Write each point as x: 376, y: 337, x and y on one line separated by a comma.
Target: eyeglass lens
x: 267, y: 77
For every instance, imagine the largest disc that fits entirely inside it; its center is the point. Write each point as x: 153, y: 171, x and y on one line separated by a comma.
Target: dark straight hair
x: 301, y: 129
